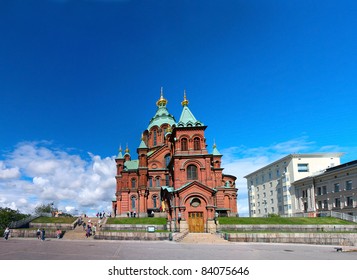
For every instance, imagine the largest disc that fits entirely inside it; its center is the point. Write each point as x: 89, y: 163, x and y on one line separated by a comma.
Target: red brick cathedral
x: 174, y: 175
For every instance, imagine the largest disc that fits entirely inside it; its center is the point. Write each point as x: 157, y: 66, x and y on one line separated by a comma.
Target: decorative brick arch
x: 188, y: 162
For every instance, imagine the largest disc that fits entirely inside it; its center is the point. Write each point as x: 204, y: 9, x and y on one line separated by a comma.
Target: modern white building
x: 270, y: 187
x: 335, y: 189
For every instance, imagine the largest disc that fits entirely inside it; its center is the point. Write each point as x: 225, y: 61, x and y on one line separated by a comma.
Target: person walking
x: 43, y: 234
x: 94, y: 229
x: 38, y: 234
x: 6, y: 233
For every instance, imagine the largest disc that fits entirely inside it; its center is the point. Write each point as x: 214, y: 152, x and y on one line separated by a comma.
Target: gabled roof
x: 189, y: 184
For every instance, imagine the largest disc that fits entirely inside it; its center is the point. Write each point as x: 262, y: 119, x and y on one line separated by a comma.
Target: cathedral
x: 173, y: 175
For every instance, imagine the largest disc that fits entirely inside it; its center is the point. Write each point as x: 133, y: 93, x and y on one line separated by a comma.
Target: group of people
x: 90, y: 228
x: 41, y: 234
x: 101, y: 215
x: 131, y: 214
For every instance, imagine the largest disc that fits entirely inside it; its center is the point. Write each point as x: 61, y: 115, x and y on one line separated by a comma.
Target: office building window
x: 319, y: 191
x: 337, y: 187
x: 337, y: 202
x: 325, y: 204
x: 349, y: 185
x: 303, y: 167
x: 349, y: 201
x: 324, y: 190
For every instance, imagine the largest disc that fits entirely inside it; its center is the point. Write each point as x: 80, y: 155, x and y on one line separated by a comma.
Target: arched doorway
x: 196, y: 214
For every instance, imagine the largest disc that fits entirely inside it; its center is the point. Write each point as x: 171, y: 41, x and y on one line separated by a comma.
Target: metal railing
x: 25, y: 221
x: 334, y: 214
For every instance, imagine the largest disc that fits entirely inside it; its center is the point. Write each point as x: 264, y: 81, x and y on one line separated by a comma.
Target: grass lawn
x: 134, y: 221
x: 282, y: 221
x: 52, y: 220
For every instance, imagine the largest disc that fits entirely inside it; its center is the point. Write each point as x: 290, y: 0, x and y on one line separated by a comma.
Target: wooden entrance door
x: 195, y: 222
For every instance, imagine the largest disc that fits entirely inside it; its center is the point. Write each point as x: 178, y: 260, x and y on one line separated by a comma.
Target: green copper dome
x: 162, y: 116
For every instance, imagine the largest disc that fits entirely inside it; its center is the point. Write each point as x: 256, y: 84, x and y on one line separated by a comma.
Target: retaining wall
x: 148, y: 236
x: 291, y: 228
x: 32, y: 233
x: 139, y: 227
x: 342, y: 239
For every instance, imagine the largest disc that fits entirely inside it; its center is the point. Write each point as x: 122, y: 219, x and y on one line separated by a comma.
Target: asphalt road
x: 53, y: 249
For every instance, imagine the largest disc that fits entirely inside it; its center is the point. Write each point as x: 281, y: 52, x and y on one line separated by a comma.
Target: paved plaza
x: 54, y: 249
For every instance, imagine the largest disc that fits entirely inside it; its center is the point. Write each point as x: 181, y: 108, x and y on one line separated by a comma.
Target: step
x: 203, y: 238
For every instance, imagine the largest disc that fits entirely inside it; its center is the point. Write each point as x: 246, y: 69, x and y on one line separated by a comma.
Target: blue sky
x: 80, y: 78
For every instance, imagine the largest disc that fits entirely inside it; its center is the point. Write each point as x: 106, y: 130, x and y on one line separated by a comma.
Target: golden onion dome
x: 185, y: 101
x: 162, y: 101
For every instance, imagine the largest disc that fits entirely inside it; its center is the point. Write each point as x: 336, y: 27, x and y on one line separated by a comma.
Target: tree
x: 7, y: 215
x: 45, y: 208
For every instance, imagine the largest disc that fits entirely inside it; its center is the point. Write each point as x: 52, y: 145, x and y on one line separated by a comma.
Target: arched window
x: 158, y: 181
x: 167, y: 179
x: 196, y: 144
x: 133, y: 202
x: 155, y: 138
x: 184, y: 146
x: 167, y: 159
x: 154, y: 200
x: 133, y: 183
x: 192, y: 172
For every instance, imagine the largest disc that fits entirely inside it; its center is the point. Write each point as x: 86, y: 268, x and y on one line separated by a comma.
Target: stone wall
x: 54, y: 226
x: 148, y: 236
x: 291, y: 228
x: 32, y: 233
x: 139, y: 227
x: 341, y: 239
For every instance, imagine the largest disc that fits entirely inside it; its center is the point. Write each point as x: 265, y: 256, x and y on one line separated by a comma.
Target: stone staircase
x: 78, y: 233
x: 203, y: 238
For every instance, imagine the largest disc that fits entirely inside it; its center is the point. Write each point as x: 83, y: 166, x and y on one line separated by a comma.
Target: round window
x: 195, y: 202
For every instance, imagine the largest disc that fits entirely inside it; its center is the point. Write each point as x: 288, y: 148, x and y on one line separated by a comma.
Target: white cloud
x: 47, y: 174
x: 8, y: 173
x: 36, y: 173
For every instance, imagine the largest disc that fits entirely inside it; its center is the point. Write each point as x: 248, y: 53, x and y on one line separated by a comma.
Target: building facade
x: 174, y: 173
x: 270, y: 188
x: 335, y: 189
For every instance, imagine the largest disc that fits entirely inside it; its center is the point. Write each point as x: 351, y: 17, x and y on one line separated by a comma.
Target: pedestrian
x: 58, y: 233
x: 43, y: 234
x: 88, y: 232
x: 84, y: 226
x: 6, y: 233
x: 94, y: 229
x: 38, y: 234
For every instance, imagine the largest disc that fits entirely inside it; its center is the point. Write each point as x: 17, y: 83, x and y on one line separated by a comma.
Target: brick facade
x: 174, y: 173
